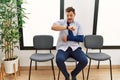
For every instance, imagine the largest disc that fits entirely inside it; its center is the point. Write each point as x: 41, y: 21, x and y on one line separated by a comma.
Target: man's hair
x: 69, y: 9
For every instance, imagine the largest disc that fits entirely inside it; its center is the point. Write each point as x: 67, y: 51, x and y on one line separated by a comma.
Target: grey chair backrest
x: 93, y: 41
x: 43, y: 42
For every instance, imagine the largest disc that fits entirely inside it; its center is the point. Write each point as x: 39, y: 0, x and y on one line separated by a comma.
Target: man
x: 67, y: 46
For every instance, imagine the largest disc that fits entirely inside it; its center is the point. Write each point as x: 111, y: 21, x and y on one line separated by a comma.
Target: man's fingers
x: 72, y: 28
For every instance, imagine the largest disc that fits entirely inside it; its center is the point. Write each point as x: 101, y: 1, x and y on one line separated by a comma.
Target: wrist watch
x: 67, y: 27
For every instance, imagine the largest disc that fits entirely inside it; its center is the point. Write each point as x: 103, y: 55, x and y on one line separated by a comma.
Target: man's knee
x: 59, y: 60
x: 84, y: 61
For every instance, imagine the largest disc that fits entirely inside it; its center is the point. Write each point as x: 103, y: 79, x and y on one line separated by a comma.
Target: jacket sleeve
x: 78, y: 38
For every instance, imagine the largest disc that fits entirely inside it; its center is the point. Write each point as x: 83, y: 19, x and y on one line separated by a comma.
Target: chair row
x: 45, y: 42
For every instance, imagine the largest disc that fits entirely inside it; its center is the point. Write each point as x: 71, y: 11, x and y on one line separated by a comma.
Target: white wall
x: 84, y: 14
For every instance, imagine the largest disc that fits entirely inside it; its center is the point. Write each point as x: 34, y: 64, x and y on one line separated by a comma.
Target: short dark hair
x: 70, y: 9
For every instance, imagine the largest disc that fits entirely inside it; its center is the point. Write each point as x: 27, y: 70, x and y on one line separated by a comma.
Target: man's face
x: 70, y: 16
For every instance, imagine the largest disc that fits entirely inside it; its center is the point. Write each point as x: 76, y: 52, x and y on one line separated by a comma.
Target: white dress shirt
x: 64, y: 45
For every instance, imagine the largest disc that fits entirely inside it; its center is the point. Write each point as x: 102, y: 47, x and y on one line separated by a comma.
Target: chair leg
x: 88, y: 69
x: 30, y: 69
x: 53, y: 69
x: 35, y: 65
x: 83, y: 74
x: 110, y: 69
x: 59, y: 74
x: 98, y: 64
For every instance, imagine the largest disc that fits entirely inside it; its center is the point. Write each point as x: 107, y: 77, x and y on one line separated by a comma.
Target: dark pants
x: 78, y: 55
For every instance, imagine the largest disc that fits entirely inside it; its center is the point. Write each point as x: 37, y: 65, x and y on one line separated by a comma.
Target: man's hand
x: 72, y: 28
x: 64, y: 38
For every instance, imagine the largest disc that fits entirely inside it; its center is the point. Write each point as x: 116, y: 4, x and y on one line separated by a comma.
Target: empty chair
x: 42, y: 42
x: 70, y: 59
x: 96, y: 42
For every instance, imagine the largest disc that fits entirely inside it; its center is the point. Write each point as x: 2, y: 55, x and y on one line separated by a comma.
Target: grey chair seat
x: 41, y: 57
x: 98, y: 56
x: 70, y: 59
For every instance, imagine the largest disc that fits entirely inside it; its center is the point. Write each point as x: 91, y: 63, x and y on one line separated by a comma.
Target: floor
x: 46, y: 74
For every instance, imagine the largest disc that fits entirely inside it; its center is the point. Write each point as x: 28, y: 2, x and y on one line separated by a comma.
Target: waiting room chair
x: 42, y: 42
x: 94, y: 42
x: 70, y: 59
